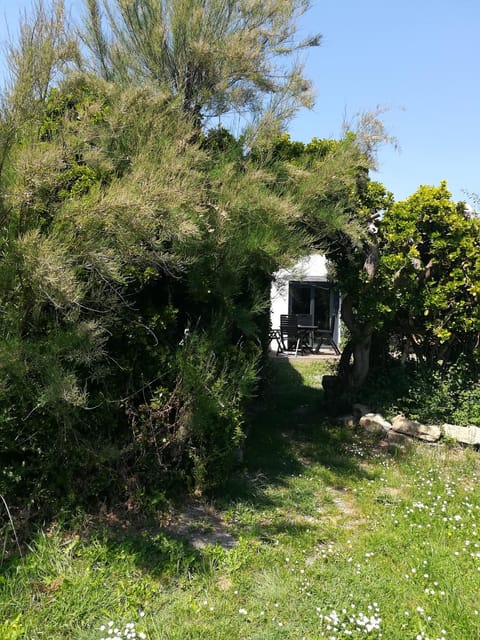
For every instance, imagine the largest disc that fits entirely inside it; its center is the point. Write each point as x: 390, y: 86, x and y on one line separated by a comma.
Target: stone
x: 375, y: 423
x: 393, y: 437
x: 414, y: 429
x: 465, y: 435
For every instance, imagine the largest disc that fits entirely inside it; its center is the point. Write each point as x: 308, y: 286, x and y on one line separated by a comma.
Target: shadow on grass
x: 288, y: 431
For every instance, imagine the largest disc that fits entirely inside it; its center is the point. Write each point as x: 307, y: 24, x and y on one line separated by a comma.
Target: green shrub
x: 199, y: 426
x: 431, y: 394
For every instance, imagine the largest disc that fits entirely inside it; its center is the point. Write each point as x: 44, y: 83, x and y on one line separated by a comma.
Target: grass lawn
x: 325, y: 533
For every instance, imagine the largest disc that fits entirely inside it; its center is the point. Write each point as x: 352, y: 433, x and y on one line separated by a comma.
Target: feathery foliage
x: 216, y: 56
x: 138, y: 249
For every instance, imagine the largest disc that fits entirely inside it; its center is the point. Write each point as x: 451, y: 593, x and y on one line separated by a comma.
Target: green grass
x: 324, y: 519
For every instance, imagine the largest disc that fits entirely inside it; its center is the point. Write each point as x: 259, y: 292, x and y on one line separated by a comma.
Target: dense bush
x: 137, y: 260
x: 430, y: 394
x: 138, y: 243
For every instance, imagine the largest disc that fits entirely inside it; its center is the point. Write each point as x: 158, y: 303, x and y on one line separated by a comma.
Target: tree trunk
x: 352, y: 374
x: 354, y: 362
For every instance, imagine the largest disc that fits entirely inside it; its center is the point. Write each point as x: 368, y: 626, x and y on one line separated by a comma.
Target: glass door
x: 311, y: 298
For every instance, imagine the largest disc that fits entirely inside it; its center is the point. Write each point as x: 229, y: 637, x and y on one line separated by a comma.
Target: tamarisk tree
x: 125, y: 222
x: 217, y: 56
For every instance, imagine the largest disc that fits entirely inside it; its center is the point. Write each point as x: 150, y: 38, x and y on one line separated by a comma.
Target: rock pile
x: 402, y: 429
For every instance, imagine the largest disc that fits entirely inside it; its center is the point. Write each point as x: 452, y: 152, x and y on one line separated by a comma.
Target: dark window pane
x: 299, y: 298
x: 322, y: 307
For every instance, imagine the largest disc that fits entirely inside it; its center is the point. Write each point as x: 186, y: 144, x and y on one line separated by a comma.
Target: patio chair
x: 289, y: 334
x: 325, y: 336
x: 276, y: 335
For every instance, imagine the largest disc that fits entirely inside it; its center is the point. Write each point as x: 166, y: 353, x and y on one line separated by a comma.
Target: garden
x: 161, y: 475
x: 325, y: 532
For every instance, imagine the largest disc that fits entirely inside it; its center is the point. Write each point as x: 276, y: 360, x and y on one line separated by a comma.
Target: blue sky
x: 419, y: 59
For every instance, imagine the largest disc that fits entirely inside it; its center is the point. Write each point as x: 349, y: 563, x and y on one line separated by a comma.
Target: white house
x: 307, y: 289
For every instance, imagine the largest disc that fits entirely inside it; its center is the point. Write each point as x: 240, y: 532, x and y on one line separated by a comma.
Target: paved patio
x: 324, y: 354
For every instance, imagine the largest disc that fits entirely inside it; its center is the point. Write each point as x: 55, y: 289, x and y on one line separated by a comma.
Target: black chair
x: 325, y: 336
x: 275, y: 334
x: 289, y: 334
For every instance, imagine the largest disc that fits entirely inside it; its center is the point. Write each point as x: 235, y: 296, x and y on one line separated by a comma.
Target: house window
x: 312, y: 298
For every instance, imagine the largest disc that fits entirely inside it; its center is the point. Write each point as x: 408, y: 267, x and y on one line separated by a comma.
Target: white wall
x: 312, y: 267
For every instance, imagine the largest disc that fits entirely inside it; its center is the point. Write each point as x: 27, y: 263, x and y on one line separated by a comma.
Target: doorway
x: 314, y: 299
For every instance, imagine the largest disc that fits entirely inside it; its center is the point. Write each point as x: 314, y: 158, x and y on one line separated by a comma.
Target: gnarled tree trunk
x: 354, y: 362
x: 353, y: 373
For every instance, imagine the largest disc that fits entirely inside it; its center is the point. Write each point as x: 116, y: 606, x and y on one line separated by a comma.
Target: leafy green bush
x: 431, y: 394
x: 198, y: 427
